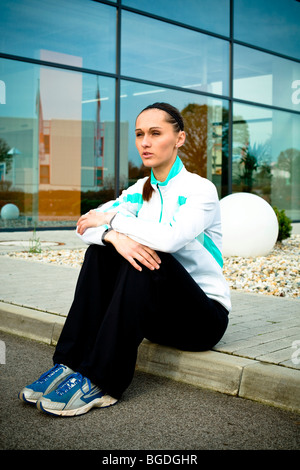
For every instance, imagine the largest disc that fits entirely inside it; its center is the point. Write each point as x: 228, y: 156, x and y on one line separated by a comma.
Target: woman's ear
x: 181, y: 139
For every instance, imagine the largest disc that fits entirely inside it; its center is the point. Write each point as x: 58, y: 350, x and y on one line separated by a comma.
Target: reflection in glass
x: 265, y: 78
x: 266, y: 156
x: 71, y: 32
x: 270, y: 24
x: 19, y: 140
x: 98, y: 141
x: 206, y: 124
x: 211, y: 15
x: 177, y: 56
x: 56, y: 141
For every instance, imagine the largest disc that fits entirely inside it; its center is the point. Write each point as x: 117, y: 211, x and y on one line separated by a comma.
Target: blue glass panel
x: 210, y: 15
x: 270, y: 24
x: 57, y: 143
x: 265, y: 78
x: 161, y: 52
x: 72, y: 32
x: 266, y: 156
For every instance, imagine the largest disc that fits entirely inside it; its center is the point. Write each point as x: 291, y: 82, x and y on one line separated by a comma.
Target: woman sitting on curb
x: 153, y: 270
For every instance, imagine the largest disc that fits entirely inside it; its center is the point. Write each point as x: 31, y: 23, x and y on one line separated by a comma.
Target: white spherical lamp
x: 10, y: 211
x: 249, y: 225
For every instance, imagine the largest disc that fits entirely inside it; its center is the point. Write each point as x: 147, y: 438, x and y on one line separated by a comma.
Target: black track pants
x: 115, y: 307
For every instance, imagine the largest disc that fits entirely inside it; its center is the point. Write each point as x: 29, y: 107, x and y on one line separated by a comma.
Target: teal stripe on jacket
x: 211, y: 247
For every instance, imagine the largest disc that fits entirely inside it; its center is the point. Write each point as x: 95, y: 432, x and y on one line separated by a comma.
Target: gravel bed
x: 276, y: 274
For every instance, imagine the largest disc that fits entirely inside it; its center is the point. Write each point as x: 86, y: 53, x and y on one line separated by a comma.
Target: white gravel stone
x: 276, y: 274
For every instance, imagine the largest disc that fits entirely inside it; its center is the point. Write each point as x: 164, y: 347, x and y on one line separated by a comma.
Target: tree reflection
x: 197, y: 146
x: 247, y: 165
x: 5, y: 157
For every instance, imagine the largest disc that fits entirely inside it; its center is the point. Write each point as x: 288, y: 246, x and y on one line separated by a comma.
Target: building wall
x: 75, y: 74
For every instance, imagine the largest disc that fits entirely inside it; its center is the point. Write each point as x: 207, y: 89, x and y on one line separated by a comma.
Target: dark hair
x: 173, y: 117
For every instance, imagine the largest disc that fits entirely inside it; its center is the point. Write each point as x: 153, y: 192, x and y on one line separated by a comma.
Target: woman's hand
x: 93, y: 218
x: 133, y: 251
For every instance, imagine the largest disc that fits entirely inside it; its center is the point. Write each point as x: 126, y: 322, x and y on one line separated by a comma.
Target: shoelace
x: 71, y: 381
x: 49, y: 373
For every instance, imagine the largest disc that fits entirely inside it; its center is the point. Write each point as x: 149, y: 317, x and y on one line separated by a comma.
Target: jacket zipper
x: 162, y: 203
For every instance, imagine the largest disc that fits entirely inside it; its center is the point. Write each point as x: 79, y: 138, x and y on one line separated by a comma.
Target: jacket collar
x: 176, y: 168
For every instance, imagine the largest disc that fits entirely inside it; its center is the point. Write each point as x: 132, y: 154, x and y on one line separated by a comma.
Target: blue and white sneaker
x: 74, y: 396
x: 45, y: 384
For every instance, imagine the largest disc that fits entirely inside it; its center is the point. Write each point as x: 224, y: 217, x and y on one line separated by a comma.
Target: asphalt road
x: 155, y: 414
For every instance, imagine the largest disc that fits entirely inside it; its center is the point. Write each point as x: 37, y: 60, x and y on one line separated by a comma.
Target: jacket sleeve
x: 191, y: 219
x: 128, y: 204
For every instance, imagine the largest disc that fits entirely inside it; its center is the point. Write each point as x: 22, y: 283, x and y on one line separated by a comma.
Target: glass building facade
x: 74, y: 74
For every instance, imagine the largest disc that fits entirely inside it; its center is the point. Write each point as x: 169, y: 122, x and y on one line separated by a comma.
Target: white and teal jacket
x: 182, y: 218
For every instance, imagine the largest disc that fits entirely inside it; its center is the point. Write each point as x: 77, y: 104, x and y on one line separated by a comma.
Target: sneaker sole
x: 103, y: 402
x: 26, y: 400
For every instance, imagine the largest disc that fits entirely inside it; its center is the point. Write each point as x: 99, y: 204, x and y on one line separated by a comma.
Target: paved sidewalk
x: 258, y: 358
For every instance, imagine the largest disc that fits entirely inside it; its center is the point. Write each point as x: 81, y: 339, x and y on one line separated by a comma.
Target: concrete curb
x: 233, y: 375
x: 245, y: 378
x: 30, y: 323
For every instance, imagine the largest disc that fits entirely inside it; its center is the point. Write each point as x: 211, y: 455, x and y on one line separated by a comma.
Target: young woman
x: 153, y: 270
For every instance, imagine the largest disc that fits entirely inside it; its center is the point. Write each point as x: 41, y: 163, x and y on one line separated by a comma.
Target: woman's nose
x: 145, y: 141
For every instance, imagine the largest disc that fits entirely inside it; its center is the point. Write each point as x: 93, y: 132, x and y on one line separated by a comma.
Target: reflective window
x: 71, y: 32
x: 19, y: 140
x: 211, y: 15
x: 266, y: 156
x: 157, y: 51
x: 97, y: 141
x: 56, y: 143
x: 270, y: 24
x: 267, y: 79
x: 206, y: 124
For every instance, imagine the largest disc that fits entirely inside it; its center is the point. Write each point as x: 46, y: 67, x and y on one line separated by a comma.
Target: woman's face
x: 157, y: 142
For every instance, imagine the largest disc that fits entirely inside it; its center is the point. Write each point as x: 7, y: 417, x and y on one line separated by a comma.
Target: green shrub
x: 284, y: 223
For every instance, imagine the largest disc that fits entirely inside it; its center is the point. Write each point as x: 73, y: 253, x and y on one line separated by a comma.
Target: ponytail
x: 147, y: 190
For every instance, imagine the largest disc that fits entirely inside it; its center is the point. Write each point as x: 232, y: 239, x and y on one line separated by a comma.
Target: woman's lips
x: 147, y: 154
